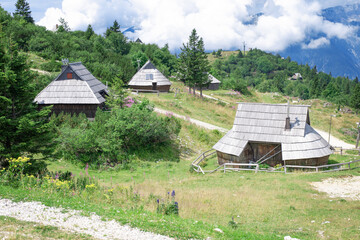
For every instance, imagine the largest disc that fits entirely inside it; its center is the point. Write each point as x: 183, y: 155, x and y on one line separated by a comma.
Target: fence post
x: 317, y: 169
x: 341, y: 151
x: 224, y: 168
x: 285, y: 169
x: 257, y: 168
x: 349, y: 165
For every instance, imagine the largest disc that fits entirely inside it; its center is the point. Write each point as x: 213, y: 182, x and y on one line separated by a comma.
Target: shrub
x: 112, y: 137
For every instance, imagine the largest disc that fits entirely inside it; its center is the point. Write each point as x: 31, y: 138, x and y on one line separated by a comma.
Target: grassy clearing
x: 10, y: 228
x: 275, y: 204
x: 263, y: 205
x: 214, y: 112
x: 224, y: 55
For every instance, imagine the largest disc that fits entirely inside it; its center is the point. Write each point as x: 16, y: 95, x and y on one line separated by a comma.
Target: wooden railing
x: 255, y: 167
x: 341, y: 150
x: 329, y: 167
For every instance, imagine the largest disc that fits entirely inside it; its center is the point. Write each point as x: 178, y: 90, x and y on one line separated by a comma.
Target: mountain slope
x: 341, y: 57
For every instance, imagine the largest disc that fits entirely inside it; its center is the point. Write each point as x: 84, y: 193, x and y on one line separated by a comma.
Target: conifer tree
x: 89, y: 32
x: 23, y: 10
x: 24, y: 130
x: 194, y: 66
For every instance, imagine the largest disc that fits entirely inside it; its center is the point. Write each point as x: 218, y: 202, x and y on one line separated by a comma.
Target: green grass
x: 221, y: 115
x: 10, y: 228
x: 264, y: 205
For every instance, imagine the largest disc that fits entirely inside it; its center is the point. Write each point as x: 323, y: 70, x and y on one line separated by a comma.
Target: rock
x: 218, y: 230
x: 290, y: 238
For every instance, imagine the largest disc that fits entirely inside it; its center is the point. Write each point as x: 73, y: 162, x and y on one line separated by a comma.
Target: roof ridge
x: 274, y: 104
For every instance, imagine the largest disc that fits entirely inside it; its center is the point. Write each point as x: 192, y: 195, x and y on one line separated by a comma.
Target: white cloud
x: 220, y: 23
x: 316, y: 43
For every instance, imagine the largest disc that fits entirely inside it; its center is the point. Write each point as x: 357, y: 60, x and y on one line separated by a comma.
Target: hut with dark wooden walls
x: 74, y: 91
x: 273, y: 134
x: 214, y: 83
x: 149, y: 78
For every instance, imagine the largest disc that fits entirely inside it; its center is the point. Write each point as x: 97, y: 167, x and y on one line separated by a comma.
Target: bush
x: 112, y: 137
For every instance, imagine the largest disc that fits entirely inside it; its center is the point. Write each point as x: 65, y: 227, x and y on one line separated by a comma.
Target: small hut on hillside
x: 149, y: 78
x: 273, y: 134
x: 214, y: 83
x: 75, y: 90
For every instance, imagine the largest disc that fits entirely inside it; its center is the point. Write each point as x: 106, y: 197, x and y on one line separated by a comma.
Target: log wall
x: 88, y: 109
x: 164, y: 88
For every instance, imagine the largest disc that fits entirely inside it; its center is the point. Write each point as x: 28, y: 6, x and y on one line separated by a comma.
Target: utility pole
x: 138, y: 62
x: 358, y: 135
x: 244, y: 43
x: 330, y: 127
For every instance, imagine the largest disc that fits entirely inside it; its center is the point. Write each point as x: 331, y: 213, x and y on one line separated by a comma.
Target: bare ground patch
x: 347, y: 187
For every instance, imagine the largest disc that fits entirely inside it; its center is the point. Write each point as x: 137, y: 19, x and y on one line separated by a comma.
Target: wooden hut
x: 273, y: 134
x: 149, y: 78
x: 214, y: 83
x: 75, y: 90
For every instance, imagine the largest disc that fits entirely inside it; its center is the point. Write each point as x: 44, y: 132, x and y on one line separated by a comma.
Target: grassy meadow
x: 222, y: 115
x: 244, y: 205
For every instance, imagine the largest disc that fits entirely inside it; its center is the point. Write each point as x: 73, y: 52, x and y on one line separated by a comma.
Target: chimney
x: 287, y: 120
x: 65, y: 63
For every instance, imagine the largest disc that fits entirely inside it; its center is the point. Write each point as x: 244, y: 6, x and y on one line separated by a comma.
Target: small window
x: 69, y: 76
x: 149, y: 77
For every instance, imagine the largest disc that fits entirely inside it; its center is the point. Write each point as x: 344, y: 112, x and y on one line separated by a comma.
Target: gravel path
x: 334, y: 141
x: 194, y: 121
x: 72, y: 221
x: 348, y: 187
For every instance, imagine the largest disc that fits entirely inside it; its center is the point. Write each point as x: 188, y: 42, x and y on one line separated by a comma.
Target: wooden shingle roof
x: 83, y: 88
x: 258, y: 122
x: 213, y: 79
x: 143, y: 78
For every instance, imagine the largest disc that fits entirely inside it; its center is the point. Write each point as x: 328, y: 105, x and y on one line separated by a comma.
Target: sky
x: 221, y: 23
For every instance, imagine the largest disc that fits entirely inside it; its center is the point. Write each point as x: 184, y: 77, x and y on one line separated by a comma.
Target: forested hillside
x: 107, y: 56
x: 270, y: 73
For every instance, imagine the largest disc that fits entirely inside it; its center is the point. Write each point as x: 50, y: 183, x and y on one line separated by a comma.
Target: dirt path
x: 334, y: 141
x: 72, y: 221
x: 191, y: 120
x: 40, y: 71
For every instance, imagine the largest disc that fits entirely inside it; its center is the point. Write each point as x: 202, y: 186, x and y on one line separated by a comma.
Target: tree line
x: 272, y: 73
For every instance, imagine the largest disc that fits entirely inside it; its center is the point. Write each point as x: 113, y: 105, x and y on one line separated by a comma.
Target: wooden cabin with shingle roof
x: 273, y: 134
x: 75, y: 90
x: 149, y: 78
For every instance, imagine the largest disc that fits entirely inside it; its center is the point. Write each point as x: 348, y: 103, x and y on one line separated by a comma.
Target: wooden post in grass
x: 358, y: 136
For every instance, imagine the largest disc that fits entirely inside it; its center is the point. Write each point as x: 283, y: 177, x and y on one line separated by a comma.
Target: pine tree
x: 89, y: 32
x: 115, y: 27
x: 23, y: 10
x: 355, y: 97
x: 24, y: 130
x: 194, y: 66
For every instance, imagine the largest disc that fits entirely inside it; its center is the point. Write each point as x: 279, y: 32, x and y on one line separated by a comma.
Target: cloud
x: 316, y: 43
x: 220, y: 23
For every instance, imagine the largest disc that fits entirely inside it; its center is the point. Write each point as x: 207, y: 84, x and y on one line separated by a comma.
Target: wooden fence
x: 255, y: 167
x: 342, y: 150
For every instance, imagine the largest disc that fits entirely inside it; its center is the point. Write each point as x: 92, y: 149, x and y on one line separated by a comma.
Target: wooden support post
x: 257, y: 168
x: 341, y: 151
x: 285, y: 169
x: 224, y: 168
x: 349, y: 165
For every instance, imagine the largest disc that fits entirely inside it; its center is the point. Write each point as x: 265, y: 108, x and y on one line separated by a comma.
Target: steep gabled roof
x: 83, y: 88
x: 143, y: 78
x: 257, y: 122
x: 213, y: 79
